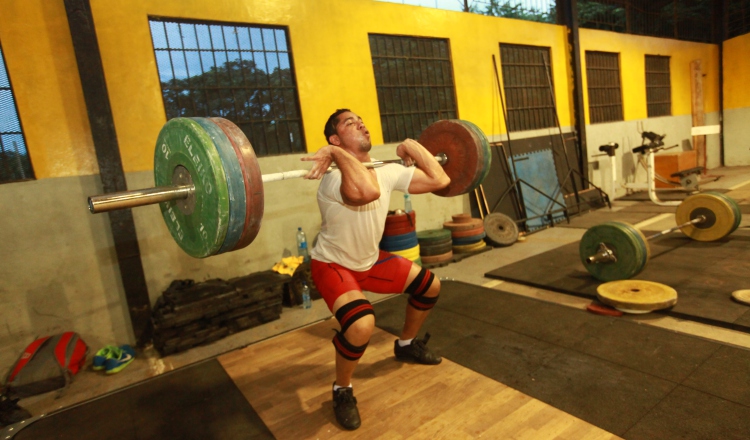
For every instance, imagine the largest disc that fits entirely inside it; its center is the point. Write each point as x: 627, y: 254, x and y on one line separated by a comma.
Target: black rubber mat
x: 196, y: 402
x: 636, y: 381
x: 593, y: 218
x: 704, y: 274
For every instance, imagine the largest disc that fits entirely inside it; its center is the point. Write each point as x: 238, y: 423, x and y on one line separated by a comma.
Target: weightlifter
x: 346, y: 259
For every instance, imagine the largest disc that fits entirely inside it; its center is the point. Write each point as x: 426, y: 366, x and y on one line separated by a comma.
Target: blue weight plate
x: 235, y: 183
x: 469, y: 240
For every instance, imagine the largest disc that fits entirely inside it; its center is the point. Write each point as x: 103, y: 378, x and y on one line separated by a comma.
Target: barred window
x: 605, y: 94
x: 527, y: 80
x: 414, y: 80
x: 658, y: 89
x: 239, y: 72
x: 15, y: 164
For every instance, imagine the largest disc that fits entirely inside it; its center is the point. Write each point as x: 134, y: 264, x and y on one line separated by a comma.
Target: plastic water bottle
x: 302, y: 244
x: 306, y: 301
x: 407, y: 203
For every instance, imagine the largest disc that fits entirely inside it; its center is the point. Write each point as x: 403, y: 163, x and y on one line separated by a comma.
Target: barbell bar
x: 209, y: 186
x: 615, y: 251
x: 150, y: 196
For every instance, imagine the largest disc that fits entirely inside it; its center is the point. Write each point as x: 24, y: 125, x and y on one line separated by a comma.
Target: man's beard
x: 365, y: 146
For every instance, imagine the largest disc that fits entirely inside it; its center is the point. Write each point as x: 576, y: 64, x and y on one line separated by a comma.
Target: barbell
x: 617, y: 250
x: 209, y: 186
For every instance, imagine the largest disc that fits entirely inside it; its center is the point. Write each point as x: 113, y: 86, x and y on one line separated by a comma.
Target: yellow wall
x: 736, y: 68
x: 329, y: 41
x: 42, y: 68
x: 633, y: 49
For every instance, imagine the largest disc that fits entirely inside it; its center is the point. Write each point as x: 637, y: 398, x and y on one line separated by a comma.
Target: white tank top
x: 350, y: 235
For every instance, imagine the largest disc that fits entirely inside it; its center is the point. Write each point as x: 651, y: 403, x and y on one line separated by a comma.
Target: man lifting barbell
x: 346, y: 258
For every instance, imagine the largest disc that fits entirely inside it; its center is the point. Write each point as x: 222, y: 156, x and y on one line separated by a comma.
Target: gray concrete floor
x: 89, y: 384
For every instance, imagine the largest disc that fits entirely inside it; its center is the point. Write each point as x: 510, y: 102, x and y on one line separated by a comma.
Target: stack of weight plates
x: 467, y: 233
x: 400, y: 235
x: 435, y: 246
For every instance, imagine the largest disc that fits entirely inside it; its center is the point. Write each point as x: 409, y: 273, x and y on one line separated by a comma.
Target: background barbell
x: 617, y: 250
x: 210, y: 188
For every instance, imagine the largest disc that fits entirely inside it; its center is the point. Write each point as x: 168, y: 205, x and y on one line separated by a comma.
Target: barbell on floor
x: 210, y: 188
x: 617, y: 250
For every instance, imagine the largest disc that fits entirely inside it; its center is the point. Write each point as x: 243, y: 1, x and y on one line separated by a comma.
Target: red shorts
x: 387, y: 275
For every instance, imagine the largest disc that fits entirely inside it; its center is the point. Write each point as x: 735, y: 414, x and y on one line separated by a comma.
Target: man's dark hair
x: 332, y: 122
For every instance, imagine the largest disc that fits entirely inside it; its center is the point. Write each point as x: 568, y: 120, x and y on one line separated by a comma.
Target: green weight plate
x: 235, y: 183
x: 638, y: 235
x: 735, y: 207
x: 629, y: 250
x: 435, y: 250
x: 253, y: 179
x: 485, y: 147
x: 441, y: 242
x: 720, y: 217
x: 199, y: 224
x: 464, y: 150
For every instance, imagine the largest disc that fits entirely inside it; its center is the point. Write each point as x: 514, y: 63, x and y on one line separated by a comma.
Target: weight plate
x: 235, y: 183
x: 501, y: 230
x: 200, y: 228
x: 399, y: 242
x: 636, y: 296
x: 487, y: 151
x: 435, y: 250
x: 436, y: 243
x: 742, y: 296
x: 410, y: 254
x: 720, y: 217
x: 735, y: 207
x: 469, y: 240
x: 456, y: 227
x: 433, y: 235
x: 468, y: 232
x: 400, y: 230
x: 464, y: 150
x: 629, y: 250
x: 461, y: 218
x: 467, y: 248
x: 432, y: 259
x: 398, y: 220
x: 253, y: 180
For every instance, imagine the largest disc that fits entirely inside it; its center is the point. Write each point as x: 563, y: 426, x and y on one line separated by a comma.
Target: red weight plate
x: 430, y: 259
x: 398, y: 230
x: 455, y: 227
x: 252, y: 177
x: 464, y: 150
x: 461, y: 218
x: 401, y: 219
x: 468, y: 233
x: 600, y: 309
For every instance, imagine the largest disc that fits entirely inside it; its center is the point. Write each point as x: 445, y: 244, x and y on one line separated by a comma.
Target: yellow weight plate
x: 466, y: 248
x: 410, y: 254
x: 636, y: 296
x: 720, y: 217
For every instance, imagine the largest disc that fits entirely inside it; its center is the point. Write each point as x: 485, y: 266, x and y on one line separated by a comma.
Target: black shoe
x: 10, y: 412
x: 417, y: 352
x: 345, y: 407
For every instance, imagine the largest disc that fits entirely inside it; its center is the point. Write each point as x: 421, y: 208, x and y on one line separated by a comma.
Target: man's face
x: 352, y: 133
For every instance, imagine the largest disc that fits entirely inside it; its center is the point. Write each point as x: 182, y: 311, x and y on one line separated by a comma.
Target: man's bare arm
x: 359, y: 186
x: 429, y: 175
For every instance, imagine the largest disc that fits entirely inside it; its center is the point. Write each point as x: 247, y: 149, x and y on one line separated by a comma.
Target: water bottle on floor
x: 407, y: 203
x: 306, y: 301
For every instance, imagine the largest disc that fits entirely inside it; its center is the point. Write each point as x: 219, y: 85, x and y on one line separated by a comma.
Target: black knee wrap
x: 347, y: 315
x: 418, y: 288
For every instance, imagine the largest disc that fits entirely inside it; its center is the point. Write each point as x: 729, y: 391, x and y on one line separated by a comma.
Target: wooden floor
x: 287, y: 379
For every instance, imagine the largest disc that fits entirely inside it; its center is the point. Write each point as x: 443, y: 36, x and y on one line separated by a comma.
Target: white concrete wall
x: 737, y: 136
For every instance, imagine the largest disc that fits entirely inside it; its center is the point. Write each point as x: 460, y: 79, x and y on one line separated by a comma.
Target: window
x: 239, y: 72
x: 658, y: 90
x: 414, y: 80
x: 15, y: 164
x: 527, y: 82
x: 603, y: 77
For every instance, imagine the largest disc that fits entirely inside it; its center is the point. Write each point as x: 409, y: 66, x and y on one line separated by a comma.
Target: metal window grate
x: 658, y: 88
x: 737, y: 18
x: 15, y: 164
x: 238, y: 72
x: 414, y: 80
x: 689, y: 20
x: 605, y: 95
x: 527, y: 86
